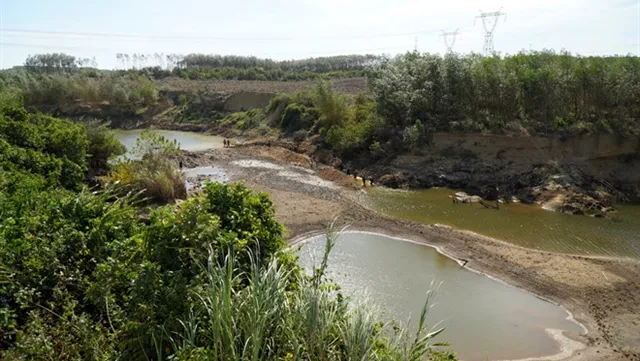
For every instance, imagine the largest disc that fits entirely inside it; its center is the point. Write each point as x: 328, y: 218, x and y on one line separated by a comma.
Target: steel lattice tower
x: 446, y: 36
x: 489, y: 22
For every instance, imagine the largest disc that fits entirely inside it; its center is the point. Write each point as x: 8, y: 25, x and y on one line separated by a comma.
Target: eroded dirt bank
x: 580, y: 174
x: 602, y: 293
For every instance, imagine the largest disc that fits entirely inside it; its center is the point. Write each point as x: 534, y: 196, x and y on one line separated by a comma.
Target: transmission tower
x: 489, y: 21
x: 452, y: 35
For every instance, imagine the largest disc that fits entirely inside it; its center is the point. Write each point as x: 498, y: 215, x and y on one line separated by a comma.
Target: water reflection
x: 187, y: 140
x: 485, y: 319
x: 526, y: 225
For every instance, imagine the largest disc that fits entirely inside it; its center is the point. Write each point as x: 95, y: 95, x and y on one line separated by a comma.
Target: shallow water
x: 198, y: 176
x: 190, y: 141
x: 484, y: 318
x: 525, y: 225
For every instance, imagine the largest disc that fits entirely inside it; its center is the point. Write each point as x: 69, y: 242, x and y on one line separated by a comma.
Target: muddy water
x: 526, y: 225
x: 196, y: 177
x: 187, y: 140
x: 484, y: 318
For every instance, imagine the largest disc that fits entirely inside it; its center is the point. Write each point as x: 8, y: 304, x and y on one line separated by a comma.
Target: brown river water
x: 521, y: 224
x: 187, y: 140
x: 484, y: 318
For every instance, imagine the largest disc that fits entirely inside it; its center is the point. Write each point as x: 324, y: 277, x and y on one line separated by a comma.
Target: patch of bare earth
x: 347, y: 85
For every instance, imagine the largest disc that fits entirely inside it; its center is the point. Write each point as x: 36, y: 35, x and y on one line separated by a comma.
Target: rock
x: 572, y: 208
x: 389, y: 180
x: 463, y: 197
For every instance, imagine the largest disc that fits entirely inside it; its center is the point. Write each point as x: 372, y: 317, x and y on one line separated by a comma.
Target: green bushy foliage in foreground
x: 84, y: 277
x: 58, y: 150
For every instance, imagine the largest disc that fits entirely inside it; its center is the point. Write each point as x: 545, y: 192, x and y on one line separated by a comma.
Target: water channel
x: 187, y: 140
x: 525, y: 225
x: 484, y: 318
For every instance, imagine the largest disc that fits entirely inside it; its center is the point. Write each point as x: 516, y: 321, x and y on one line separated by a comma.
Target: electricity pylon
x: 489, y: 21
x: 446, y: 36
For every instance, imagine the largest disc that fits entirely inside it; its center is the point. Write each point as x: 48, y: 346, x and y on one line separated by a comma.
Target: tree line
x: 58, y: 62
x: 214, y: 61
x: 539, y: 91
x: 413, y: 95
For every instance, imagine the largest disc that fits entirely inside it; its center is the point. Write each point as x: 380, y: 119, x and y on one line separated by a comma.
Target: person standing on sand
x: 180, y: 164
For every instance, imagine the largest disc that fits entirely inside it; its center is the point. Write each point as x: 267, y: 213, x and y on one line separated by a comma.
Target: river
x: 187, y: 140
x: 484, y: 319
x: 521, y: 224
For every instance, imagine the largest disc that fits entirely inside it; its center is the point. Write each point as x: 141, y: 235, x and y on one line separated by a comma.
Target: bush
x: 103, y: 146
x: 152, y: 170
x: 332, y: 107
x: 415, y: 136
x: 51, y: 147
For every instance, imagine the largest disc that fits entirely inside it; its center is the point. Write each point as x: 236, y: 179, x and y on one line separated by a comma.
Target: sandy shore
x: 601, y: 293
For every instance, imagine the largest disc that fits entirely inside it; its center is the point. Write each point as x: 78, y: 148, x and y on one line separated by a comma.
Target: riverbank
x: 602, y: 293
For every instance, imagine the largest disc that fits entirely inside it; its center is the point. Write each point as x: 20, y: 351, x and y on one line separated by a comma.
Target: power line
x: 204, y: 38
x: 489, y: 28
x: 41, y: 46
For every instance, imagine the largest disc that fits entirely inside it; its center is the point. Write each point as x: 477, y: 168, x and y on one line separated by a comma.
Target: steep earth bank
x: 192, y: 104
x: 581, y: 174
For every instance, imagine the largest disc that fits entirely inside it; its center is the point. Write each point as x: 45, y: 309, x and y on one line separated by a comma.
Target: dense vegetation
x: 60, y: 90
x: 57, y: 63
x: 414, y: 95
x: 409, y: 97
x: 541, y: 91
x: 210, y: 67
x: 93, y: 275
x: 201, y: 66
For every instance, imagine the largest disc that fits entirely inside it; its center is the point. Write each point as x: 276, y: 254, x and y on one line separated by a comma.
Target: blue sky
x: 286, y: 29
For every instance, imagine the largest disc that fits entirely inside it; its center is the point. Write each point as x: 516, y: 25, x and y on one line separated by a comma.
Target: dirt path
x: 601, y: 293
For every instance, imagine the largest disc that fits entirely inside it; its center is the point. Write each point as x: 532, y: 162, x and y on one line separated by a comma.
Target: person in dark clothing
x: 348, y: 172
x: 180, y: 164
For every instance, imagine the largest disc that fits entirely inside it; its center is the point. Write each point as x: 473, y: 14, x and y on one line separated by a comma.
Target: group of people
x: 355, y: 176
x: 227, y: 142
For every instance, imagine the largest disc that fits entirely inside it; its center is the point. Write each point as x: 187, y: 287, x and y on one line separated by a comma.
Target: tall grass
x: 275, y: 314
x: 152, y: 170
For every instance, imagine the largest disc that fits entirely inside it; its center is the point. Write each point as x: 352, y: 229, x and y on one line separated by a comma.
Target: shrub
x: 331, y: 106
x: 103, y: 146
x: 152, y: 169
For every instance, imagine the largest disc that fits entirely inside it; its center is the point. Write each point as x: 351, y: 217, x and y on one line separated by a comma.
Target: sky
x: 294, y: 29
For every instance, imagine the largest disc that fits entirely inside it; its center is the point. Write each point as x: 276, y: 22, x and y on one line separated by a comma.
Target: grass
x: 282, y: 315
